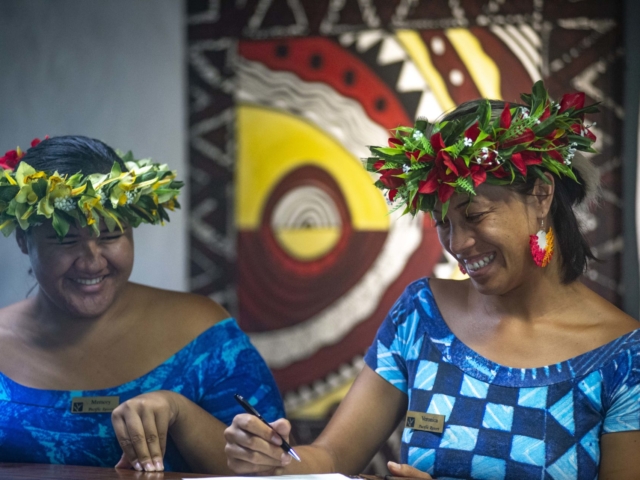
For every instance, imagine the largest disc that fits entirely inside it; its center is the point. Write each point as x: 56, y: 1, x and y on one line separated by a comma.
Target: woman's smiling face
x: 489, y: 235
x: 83, y: 275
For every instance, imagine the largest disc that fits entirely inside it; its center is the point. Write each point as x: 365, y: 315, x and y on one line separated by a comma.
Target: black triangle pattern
x: 389, y: 74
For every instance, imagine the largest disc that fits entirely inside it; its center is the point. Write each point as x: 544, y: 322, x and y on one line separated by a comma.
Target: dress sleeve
x: 391, y: 348
x: 232, y: 365
x: 623, y: 414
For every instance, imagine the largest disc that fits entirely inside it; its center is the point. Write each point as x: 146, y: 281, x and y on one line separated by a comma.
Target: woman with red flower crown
x: 94, y: 369
x: 517, y: 372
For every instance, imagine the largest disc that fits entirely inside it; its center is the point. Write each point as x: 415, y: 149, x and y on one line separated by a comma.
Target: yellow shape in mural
x: 482, y: 68
x: 414, y: 46
x: 271, y: 144
x: 308, y: 244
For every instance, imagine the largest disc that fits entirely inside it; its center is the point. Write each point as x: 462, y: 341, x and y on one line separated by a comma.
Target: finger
x: 405, y: 470
x: 162, y: 425
x: 237, y: 452
x: 138, y: 441
x: 152, y: 437
x: 252, y: 425
x: 122, y: 435
x: 242, y: 467
x: 123, y: 462
x: 251, y: 442
x: 283, y: 427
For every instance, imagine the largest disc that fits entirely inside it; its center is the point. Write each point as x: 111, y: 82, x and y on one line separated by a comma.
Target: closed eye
x: 475, y: 217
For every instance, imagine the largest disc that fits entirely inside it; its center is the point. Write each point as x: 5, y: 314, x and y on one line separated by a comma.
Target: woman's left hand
x: 405, y: 470
x: 142, y: 425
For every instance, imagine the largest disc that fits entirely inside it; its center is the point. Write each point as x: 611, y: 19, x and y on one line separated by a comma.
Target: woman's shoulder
x: 187, y: 313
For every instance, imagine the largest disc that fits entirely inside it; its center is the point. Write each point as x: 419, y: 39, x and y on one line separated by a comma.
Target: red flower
x: 546, y: 114
x: 394, y: 142
x: 525, y: 137
x: 500, y: 172
x: 478, y: 175
x: 472, y: 132
x: 505, y: 117
x: 389, y: 179
x: 556, y: 156
x: 11, y: 159
x: 392, y: 194
x: 429, y: 185
x: 412, y: 155
x: 579, y: 129
x: 444, y: 192
x: 378, y: 165
x: 436, y: 142
x: 36, y: 141
x: 521, y: 160
x: 569, y: 100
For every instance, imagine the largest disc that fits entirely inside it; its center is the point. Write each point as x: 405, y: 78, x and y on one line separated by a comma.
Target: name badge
x: 426, y: 422
x: 94, y: 404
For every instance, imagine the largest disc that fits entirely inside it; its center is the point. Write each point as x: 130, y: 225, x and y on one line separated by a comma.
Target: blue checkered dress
x: 502, y: 422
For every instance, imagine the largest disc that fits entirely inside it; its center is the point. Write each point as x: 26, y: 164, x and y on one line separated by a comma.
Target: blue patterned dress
x: 502, y: 422
x: 37, y: 426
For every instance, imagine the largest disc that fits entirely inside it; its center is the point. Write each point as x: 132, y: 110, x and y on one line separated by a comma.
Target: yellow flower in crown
x: 122, y: 192
x: 27, y: 178
x: 58, y: 196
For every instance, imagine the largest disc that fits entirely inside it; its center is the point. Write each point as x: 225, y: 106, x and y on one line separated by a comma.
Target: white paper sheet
x: 324, y: 476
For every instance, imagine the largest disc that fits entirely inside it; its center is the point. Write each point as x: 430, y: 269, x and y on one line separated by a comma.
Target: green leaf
x: 466, y: 185
x: 445, y: 209
x: 8, y: 192
x: 539, y: 98
x: 484, y: 115
x: 540, y: 174
x: 60, y: 225
x: 40, y: 187
x: 454, y: 130
x: 491, y: 180
x: 590, y: 109
x: 545, y: 127
x: 580, y: 140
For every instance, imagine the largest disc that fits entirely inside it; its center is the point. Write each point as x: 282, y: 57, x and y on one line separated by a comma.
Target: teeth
x: 87, y: 281
x: 483, y: 262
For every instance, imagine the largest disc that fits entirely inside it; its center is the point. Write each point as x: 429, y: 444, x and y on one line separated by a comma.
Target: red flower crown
x: 461, y: 154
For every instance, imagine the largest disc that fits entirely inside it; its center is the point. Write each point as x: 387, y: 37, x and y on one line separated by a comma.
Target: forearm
x: 315, y: 459
x: 198, y: 435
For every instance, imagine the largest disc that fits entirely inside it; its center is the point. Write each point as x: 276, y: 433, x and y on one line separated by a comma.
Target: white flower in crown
x: 417, y: 134
x: 66, y: 204
x: 406, y: 168
x: 467, y: 142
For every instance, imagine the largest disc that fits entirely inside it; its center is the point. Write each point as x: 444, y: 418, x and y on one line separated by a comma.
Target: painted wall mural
x: 287, y: 229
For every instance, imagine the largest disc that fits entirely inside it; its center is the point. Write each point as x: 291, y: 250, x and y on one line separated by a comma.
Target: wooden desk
x: 20, y: 471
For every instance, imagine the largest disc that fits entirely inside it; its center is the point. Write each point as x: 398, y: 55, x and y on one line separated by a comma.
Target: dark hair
x: 71, y: 154
x: 575, y: 251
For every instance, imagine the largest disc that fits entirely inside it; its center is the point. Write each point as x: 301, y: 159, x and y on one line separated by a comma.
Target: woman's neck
x: 542, y: 296
x: 49, y: 326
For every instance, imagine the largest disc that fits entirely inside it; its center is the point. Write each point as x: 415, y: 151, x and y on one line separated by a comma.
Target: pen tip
x: 294, y: 455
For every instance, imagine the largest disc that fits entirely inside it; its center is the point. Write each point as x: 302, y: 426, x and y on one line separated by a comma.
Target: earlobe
x: 22, y: 241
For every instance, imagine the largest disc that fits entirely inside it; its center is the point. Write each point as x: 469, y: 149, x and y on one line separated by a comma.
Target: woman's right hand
x: 252, y: 447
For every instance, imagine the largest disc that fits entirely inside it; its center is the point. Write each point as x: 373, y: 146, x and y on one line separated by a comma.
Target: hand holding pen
x: 249, y: 409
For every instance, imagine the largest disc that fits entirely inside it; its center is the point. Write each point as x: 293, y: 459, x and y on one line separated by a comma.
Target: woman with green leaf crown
x: 517, y: 372
x: 95, y: 369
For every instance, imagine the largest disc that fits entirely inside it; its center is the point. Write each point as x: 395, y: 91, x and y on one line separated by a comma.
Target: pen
x: 249, y: 409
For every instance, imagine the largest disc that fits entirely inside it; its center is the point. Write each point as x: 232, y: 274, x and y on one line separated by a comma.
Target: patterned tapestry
x: 286, y: 228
